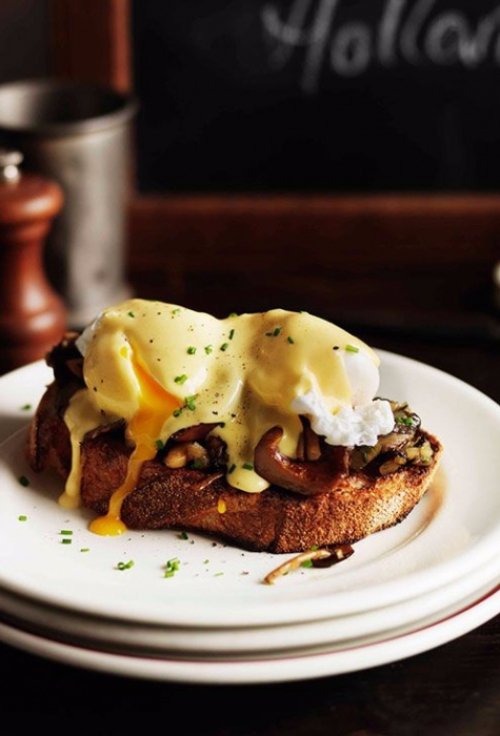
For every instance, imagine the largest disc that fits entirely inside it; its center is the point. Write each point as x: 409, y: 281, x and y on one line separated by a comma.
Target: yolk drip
x: 155, y: 405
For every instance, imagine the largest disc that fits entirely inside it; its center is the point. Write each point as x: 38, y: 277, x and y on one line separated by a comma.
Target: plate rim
x: 299, y: 667
x: 259, y: 612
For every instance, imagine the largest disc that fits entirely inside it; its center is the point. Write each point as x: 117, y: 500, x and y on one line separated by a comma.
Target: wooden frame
x: 346, y: 234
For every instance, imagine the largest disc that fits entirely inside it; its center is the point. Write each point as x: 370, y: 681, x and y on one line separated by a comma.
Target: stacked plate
x: 106, y: 603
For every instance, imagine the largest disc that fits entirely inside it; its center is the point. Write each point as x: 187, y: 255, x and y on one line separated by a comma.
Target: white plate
x: 59, y: 623
x: 444, y: 538
x: 279, y: 669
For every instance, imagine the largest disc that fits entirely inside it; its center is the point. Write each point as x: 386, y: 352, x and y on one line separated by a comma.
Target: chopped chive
x: 224, y: 346
x: 125, y: 565
x: 84, y: 549
x: 22, y: 517
x: 205, y: 562
x: 181, y: 379
x: 171, y: 567
x: 191, y: 350
x: 351, y: 349
x: 183, y: 535
x: 306, y: 563
x: 218, y: 574
x: 407, y: 421
x: 26, y: 407
x: 130, y: 314
x: 290, y: 340
x: 314, y: 548
x: 159, y: 444
x: 66, y: 532
x: 208, y: 349
x: 231, y: 334
x: 176, y: 310
x: 23, y: 480
x: 177, y: 412
x: 247, y: 466
x: 274, y: 333
x: 231, y: 469
x: 66, y: 541
x: 189, y: 402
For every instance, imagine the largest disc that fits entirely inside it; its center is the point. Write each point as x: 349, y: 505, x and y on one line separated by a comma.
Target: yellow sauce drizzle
x: 144, y: 360
x: 143, y: 430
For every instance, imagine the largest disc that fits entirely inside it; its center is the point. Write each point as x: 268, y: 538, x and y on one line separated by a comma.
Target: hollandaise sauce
x: 163, y: 368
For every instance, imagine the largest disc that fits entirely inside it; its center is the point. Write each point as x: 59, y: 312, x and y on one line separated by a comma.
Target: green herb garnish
x: 171, y: 567
x: 290, y: 340
x: 84, y: 549
x: 183, y: 535
x: 247, y: 466
x: 274, y: 333
x: 66, y: 532
x: 26, y: 407
x: 231, y: 334
x: 176, y: 310
x: 351, y: 349
x: 22, y: 517
x: 177, y: 412
x: 125, y: 565
x: 231, y: 469
x: 181, y: 379
x: 407, y: 421
x: 130, y: 314
x: 189, y: 402
x: 159, y: 444
x: 208, y: 349
x: 306, y: 563
x: 66, y: 541
x: 191, y: 350
x: 224, y: 346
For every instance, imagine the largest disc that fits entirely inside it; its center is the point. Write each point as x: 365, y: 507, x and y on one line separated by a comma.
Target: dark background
x: 221, y: 112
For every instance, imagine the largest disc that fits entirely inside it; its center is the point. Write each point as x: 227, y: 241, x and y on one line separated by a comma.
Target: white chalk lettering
x: 388, y: 32
x: 448, y: 39
x: 351, y: 50
x: 412, y: 29
x: 412, y: 33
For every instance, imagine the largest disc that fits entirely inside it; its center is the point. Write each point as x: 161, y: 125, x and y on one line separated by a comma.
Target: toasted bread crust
x: 274, y: 520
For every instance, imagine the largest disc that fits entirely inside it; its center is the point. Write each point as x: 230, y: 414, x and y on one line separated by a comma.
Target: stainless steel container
x: 78, y: 135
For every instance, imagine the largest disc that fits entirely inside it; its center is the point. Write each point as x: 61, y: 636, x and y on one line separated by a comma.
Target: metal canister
x: 78, y: 135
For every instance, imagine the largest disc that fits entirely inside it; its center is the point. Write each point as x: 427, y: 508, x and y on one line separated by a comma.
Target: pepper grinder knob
x: 32, y: 316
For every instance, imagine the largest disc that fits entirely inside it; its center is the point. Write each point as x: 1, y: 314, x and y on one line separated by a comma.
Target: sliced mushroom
x: 312, y: 446
x: 307, y: 478
x: 196, y: 433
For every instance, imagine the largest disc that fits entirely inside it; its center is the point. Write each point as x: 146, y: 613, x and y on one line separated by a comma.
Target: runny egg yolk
x: 143, y: 430
x: 163, y: 368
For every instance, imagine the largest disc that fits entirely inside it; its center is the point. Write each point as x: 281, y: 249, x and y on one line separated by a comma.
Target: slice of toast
x: 275, y: 520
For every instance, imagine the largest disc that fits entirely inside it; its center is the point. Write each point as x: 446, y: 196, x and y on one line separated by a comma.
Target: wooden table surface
x: 453, y: 690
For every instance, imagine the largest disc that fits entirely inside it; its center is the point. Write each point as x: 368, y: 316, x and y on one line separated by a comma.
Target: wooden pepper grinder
x: 32, y: 316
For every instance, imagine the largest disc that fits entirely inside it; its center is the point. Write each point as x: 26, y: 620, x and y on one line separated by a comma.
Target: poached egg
x: 162, y: 368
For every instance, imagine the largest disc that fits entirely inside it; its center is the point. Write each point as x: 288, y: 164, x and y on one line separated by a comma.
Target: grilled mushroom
x: 308, y: 478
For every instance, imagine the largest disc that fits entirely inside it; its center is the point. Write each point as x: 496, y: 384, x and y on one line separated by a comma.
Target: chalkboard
x: 317, y: 95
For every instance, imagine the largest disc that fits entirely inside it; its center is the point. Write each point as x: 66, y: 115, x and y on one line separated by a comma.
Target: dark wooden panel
x: 90, y: 41
x: 373, y: 259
